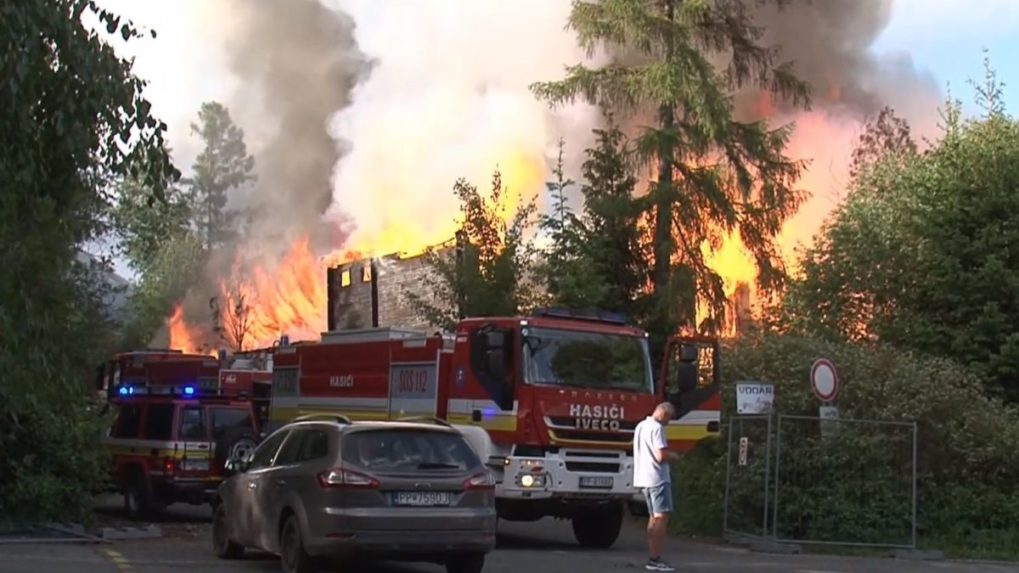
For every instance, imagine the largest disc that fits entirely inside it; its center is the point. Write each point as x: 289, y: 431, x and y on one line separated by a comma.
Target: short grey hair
x: 667, y: 408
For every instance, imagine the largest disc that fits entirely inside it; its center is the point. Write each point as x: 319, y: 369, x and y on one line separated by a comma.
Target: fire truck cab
x: 549, y: 401
x: 179, y: 417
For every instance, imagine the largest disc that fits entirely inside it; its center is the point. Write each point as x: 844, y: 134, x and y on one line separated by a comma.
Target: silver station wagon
x: 320, y: 490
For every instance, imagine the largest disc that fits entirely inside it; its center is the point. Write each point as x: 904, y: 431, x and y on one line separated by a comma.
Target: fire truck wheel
x: 598, y: 529
x: 293, y: 557
x: 138, y: 499
x: 224, y: 546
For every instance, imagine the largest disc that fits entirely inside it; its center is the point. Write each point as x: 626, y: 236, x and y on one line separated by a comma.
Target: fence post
x: 728, y: 474
x: 913, y: 532
x: 767, y: 476
x: 778, y: 473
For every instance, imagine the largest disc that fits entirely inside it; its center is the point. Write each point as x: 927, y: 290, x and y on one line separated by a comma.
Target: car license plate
x: 195, y: 465
x: 596, y: 482
x: 421, y: 498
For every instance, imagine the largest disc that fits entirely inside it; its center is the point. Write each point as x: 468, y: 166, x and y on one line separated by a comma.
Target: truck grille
x: 593, y: 467
x: 583, y: 435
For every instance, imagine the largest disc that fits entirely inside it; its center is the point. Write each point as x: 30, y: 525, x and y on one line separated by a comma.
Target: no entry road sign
x: 824, y: 380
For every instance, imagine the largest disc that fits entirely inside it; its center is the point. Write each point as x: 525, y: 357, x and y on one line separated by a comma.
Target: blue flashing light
x: 123, y: 391
x: 189, y: 390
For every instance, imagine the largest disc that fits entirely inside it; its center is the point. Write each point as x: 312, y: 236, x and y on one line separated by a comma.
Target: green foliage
x: 486, y: 272
x: 965, y: 458
x: 716, y: 175
x: 570, y: 276
x: 923, y: 254
x: 74, y: 118
x: 223, y: 165
x: 158, y: 240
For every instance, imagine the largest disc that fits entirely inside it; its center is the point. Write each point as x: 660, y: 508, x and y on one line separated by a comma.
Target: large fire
x: 259, y: 305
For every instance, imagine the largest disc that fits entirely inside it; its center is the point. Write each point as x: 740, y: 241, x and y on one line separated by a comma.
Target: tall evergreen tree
x: 613, y: 221
x: 716, y: 175
x: 223, y: 165
x: 567, y: 270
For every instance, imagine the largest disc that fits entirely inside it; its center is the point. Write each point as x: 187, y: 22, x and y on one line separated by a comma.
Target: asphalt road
x: 545, y: 546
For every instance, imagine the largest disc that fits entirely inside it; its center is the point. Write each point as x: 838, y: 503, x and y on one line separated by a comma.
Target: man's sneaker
x: 658, y: 565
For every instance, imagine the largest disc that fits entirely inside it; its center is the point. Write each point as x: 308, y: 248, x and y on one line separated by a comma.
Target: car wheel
x: 598, y: 530
x: 466, y: 564
x: 225, y: 547
x: 138, y: 502
x: 293, y: 557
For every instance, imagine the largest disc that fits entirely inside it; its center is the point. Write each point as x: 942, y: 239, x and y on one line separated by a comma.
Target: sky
x: 944, y: 38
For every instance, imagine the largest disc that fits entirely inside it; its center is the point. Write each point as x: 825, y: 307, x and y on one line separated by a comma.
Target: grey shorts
x: 659, y: 499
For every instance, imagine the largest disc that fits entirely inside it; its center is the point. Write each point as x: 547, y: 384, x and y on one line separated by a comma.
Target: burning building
x: 373, y: 292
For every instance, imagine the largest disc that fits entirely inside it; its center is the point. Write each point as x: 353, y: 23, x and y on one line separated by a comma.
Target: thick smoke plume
x: 829, y: 44
x: 296, y: 63
x: 301, y: 60
x: 449, y: 98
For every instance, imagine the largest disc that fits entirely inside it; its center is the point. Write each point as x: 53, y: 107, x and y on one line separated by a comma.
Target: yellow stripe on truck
x: 687, y: 433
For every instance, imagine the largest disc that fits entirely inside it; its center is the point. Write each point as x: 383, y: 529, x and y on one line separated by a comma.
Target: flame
x: 288, y: 298
x: 260, y: 302
x: 182, y: 336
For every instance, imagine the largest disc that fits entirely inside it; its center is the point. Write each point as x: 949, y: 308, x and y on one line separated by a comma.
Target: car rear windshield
x: 401, y: 451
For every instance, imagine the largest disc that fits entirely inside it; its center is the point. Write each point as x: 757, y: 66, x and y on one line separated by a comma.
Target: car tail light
x: 480, y: 481
x: 346, y: 479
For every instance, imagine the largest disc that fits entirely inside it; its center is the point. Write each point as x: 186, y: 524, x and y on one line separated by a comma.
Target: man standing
x: 651, y: 457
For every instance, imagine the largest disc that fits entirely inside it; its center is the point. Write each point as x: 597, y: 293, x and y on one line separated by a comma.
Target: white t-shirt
x: 648, y: 437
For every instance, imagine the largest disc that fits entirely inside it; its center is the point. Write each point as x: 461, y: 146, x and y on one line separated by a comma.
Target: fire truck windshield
x: 586, y: 360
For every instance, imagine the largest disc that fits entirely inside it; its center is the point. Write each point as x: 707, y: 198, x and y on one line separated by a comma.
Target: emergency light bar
x: 592, y: 315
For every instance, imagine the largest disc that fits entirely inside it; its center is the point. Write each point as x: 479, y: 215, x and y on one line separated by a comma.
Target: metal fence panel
x: 844, y: 482
x: 748, y: 475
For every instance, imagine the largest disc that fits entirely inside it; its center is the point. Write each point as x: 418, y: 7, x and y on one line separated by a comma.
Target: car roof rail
x: 426, y: 420
x: 338, y: 418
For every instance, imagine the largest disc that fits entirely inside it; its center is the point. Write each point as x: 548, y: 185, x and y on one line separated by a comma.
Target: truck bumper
x: 569, y: 474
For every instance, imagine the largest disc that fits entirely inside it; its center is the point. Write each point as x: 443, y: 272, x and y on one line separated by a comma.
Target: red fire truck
x: 178, y: 419
x: 550, y: 401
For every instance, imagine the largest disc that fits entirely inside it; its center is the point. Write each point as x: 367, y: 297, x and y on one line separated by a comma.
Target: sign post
x: 824, y: 381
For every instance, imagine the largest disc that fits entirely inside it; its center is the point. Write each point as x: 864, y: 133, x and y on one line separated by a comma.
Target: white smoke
x: 448, y: 97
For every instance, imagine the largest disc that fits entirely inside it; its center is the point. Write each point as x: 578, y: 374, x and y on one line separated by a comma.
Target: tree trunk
x: 663, y: 247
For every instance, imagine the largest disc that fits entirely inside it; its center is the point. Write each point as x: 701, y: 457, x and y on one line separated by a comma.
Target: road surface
x: 543, y: 547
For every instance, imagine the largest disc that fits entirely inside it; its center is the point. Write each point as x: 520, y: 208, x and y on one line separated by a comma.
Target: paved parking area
x: 544, y: 546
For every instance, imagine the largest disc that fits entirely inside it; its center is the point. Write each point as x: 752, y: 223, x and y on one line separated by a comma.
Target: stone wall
x: 394, y: 276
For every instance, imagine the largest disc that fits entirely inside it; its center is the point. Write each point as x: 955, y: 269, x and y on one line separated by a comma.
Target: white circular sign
x: 824, y: 379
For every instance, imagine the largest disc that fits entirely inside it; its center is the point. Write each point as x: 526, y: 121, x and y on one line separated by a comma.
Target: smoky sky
x: 302, y: 61
x: 828, y: 44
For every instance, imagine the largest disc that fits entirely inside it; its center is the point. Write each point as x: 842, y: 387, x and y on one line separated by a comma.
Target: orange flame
x: 289, y: 297
x: 260, y: 303
x: 182, y: 336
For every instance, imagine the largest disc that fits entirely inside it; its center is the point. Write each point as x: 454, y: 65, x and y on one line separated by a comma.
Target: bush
x: 859, y: 489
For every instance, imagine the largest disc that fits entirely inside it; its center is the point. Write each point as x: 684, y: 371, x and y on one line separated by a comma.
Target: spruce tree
x: 223, y: 165
x: 715, y: 175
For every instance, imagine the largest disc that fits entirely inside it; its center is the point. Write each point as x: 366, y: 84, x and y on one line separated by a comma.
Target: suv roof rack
x: 426, y: 420
x: 339, y: 418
